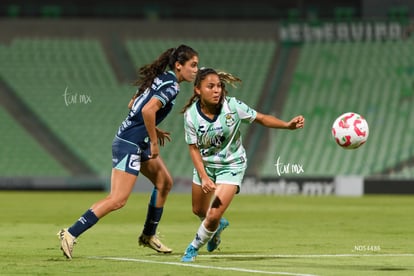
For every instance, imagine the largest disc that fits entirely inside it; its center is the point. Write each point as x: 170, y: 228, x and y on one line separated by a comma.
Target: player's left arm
x: 274, y: 122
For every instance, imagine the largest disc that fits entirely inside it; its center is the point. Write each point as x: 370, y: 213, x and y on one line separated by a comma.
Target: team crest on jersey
x: 229, y: 119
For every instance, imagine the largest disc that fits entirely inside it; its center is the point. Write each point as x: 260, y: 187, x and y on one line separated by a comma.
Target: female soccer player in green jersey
x: 212, y: 130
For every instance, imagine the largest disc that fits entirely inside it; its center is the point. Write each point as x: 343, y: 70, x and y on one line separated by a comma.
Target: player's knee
x: 166, y: 186
x: 120, y: 204
x: 168, y: 183
x: 199, y: 212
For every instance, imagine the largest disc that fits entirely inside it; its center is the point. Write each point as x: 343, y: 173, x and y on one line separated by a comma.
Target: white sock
x: 202, y: 236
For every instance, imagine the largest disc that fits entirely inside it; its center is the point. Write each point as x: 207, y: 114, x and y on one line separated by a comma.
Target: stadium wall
x: 326, y: 186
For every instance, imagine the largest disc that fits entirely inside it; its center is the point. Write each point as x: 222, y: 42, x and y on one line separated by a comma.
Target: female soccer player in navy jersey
x: 212, y: 121
x: 135, y: 147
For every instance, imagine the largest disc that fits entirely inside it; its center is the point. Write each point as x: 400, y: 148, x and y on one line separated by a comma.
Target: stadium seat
x: 22, y: 156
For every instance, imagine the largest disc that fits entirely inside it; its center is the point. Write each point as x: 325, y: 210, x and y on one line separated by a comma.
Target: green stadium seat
x: 21, y: 155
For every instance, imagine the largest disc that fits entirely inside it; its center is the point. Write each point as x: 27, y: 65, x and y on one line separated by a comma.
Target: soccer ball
x: 350, y: 130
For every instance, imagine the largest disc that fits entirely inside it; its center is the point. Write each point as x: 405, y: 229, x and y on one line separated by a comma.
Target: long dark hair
x: 202, y: 74
x: 147, y: 73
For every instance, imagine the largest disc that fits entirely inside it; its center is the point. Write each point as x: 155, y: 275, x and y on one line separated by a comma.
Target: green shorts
x: 228, y: 176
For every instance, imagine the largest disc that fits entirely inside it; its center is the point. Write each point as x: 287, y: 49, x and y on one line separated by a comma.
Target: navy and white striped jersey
x: 165, y: 88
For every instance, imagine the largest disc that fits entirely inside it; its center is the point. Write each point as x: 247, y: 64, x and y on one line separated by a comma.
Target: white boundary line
x: 302, y: 255
x: 251, y: 256
x: 203, y: 266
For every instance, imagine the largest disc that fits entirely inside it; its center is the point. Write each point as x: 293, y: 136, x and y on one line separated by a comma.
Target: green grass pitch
x: 268, y: 235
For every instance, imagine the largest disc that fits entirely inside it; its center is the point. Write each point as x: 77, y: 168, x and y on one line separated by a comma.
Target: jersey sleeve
x: 165, y: 91
x: 189, y: 129
x: 245, y: 112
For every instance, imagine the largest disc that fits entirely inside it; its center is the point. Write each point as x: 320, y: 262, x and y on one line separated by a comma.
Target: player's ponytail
x: 147, y: 73
x: 228, y: 78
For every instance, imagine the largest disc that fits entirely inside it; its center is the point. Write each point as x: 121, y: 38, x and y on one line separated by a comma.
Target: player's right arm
x: 148, y: 114
x: 207, y: 185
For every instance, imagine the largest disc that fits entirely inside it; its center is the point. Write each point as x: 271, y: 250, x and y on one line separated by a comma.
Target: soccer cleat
x: 154, y: 243
x: 190, y: 253
x: 66, y: 242
x: 215, y: 240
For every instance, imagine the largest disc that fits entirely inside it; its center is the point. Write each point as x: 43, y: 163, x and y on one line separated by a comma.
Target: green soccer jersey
x: 219, y: 140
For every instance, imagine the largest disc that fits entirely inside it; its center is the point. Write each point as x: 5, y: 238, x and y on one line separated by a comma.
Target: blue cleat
x: 190, y: 253
x: 214, y: 242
